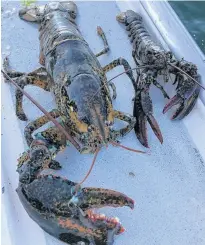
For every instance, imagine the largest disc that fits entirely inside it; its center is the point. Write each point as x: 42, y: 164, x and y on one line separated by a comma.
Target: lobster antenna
x: 94, y: 159
x: 145, y: 66
x: 187, y: 75
x: 89, y: 171
x: 137, y: 68
x: 57, y: 124
x: 95, y: 156
x: 127, y: 148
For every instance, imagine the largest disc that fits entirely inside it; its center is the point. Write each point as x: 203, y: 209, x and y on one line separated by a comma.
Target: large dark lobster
x: 84, y: 105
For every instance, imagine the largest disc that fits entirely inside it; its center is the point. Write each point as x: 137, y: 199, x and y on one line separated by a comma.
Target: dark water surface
x: 192, y: 15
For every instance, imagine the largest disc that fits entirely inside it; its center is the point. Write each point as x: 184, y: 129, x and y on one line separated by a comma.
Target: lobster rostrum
x: 156, y: 61
x: 58, y: 207
x: 73, y: 73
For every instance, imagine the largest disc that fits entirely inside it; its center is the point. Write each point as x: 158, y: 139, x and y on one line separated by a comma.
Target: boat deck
x: 168, y: 185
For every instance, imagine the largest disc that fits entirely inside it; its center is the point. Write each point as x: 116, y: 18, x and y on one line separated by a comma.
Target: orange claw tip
x: 122, y: 229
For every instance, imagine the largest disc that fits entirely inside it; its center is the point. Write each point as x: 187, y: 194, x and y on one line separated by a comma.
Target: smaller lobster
x: 61, y: 209
x: 155, y: 61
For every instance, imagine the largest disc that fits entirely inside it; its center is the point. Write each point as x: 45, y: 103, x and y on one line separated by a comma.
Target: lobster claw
x: 143, y: 111
x: 66, y: 213
x: 61, y: 207
x: 186, y: 97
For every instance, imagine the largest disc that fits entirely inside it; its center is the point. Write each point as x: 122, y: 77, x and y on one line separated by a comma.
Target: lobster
x: 154, y: 61
x: 61, y: 209
x: 74, y: 75
x: 84, y: 105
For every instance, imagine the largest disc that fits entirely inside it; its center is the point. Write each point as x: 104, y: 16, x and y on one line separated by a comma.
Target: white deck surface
x: 169, y: 184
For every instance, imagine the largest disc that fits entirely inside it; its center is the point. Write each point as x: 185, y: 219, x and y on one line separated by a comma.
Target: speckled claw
x: 62, y: 209
x: 187, y: 107
x: 141, y: 123
x: 187, y: 89
x: 69, y: 217
x: 98, y: 197
x: 143, y: 111
x: 186, y: 99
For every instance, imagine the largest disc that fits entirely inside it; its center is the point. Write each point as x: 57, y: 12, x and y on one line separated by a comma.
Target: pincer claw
x: 186, y: 97
x: 141, y: 127
x: 62, y: 208
x: 143, y: 111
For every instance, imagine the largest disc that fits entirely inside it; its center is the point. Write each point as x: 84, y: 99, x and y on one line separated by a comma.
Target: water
x: 191, y: 13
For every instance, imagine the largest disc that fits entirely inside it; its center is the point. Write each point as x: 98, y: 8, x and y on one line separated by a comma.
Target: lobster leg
x: 22, y: 82
x: 125, y: 64
x: 9, y: 71
x: 114, y: 95
x: 77, y: 128
x: 127, y: 118
x: 39, y: 73
x: 32, y: 126
x: 159, y: 86
x: 37, y: 78
x: 19, y: 97
x: 106, y: 47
